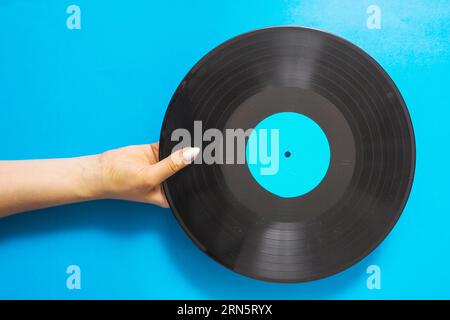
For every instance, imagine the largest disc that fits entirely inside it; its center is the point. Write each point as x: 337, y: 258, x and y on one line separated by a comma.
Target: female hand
x: 130, y: 173
x: 135, y: 172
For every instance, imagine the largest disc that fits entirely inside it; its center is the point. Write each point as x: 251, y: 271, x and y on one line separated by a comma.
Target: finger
x: 163, y: 203
x: 165, y: 168
x: 157, y: 197
x: 154, y: 147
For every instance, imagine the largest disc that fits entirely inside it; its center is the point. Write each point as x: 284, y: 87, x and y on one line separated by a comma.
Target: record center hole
x: 287, y: 154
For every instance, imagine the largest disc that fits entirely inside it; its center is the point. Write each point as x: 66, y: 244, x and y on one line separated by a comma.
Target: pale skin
x: 132, y: 173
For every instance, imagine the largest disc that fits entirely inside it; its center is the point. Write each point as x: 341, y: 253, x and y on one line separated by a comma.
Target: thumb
x: 173, y: 163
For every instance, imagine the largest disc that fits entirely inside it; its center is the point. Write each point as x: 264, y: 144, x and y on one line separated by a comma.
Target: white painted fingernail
x: 190, y: 154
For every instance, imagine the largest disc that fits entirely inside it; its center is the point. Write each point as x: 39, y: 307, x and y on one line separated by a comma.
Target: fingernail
x: 190, y: 154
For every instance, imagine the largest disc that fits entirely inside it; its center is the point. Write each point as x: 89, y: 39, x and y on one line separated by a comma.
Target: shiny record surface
x: 257, y: 227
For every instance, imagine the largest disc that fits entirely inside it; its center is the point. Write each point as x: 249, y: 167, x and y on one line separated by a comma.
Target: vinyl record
x: 344, y: 162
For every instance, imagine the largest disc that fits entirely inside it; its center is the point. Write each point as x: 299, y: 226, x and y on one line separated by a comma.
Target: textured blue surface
x: 74, y: 92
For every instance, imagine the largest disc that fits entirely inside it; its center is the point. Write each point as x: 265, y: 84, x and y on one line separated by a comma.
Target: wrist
x: 91, y: 185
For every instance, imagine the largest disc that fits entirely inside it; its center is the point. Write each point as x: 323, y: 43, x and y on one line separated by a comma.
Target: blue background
x: 74, y: 92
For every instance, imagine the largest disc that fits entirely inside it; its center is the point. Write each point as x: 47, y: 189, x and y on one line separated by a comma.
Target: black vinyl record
x: 253, y: 231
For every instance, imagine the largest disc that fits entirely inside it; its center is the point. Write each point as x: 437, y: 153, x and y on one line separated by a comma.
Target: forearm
x: 32, y: 184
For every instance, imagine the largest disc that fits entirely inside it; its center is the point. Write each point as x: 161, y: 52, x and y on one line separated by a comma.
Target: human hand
x: 130, y: 173
x: 135, y: 172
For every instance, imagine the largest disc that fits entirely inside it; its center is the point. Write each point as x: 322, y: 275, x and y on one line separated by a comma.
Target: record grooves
x: 237, y: 218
